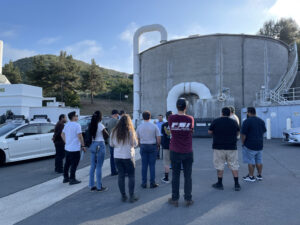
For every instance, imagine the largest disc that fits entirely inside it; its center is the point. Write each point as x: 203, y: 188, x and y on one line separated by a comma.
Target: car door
x: 27, y: 145
x: 47, y: 145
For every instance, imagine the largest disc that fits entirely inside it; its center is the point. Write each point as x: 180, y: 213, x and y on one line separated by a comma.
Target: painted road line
x: 23, y: 204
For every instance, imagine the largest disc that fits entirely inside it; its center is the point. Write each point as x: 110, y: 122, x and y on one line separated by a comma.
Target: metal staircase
x: 280, y: 94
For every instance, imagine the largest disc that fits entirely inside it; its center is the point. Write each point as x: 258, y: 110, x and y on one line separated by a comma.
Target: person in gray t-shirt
x: 149, y: 139
x: 110, y: 126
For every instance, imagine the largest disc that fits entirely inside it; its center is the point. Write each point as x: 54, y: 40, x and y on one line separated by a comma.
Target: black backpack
x: 88, y: 138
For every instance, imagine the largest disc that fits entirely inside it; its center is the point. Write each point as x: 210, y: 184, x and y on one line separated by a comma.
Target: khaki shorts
x: 167, y: 161
x: 229, y: 156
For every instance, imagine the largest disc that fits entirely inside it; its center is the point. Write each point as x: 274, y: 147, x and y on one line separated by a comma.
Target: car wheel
x: 2, y: 158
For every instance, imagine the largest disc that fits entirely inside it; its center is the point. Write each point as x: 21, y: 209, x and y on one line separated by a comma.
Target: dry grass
x: 105, y: 106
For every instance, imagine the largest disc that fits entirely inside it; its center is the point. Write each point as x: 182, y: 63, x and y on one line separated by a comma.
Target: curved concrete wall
x: 241, y: 63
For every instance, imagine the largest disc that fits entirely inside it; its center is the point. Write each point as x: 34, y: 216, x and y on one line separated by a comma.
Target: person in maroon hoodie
x: 181, y: 127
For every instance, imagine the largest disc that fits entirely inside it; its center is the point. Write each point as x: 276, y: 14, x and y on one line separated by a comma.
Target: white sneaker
x: 167, y: 181
x: 259, y: 178
x: 249, y: 179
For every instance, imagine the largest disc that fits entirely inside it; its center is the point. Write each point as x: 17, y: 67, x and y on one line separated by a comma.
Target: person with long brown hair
x: 97, y: 149
x: 123, y: 139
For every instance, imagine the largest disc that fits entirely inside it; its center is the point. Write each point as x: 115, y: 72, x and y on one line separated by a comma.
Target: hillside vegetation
x: 69, y: 79
x: 27, y: 64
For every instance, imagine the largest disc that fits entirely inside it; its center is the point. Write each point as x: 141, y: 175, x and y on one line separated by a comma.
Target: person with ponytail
x: 123, y: 138
x: 97, y: 149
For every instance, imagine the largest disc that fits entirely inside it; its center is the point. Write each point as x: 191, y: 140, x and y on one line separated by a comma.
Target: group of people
x: 175, y: 137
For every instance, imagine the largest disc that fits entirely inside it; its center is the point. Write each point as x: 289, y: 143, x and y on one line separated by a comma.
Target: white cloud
x: 127, y: 34
x: 286, y: 8
x: 85, y: 50
x: 192, y: 29
x: 48, y: 40
x: 8, y: 34
x: 10, y: 53
x: 147, y: 40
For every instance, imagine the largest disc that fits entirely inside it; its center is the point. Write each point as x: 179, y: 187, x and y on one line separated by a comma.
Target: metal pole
x: 268, y: 129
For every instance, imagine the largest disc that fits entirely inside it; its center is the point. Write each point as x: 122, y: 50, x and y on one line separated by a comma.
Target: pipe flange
x: 222, y: 97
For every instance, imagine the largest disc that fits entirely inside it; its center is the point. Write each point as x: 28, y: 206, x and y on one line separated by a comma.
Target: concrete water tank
x: 232, y: 67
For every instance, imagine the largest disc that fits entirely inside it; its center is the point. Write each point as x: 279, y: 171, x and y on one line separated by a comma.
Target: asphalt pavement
x: 275, y: 200
x: 20, y: 175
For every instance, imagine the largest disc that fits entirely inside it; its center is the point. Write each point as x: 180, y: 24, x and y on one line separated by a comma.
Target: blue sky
x: 103, y: 29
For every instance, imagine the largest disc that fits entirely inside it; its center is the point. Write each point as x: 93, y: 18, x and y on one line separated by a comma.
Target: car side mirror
x: 18, y: 135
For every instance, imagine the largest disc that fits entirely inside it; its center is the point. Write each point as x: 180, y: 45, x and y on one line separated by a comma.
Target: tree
x: 286, y: 29
x: 92, y: 80
x: 121, y: 88
x: 64, y: 76
x: 12, y: 73
x: 39, y: 75
x: 59, y: 79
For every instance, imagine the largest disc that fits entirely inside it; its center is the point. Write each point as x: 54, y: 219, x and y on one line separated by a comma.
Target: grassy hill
x: 115, y: 83
x: 26, y: 64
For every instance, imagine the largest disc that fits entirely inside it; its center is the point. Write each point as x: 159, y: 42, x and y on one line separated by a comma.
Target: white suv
x: 21, y: 140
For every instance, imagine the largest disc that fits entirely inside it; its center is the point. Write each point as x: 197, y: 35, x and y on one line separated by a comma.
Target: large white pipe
x: 268, y: 128
x: 136, y: 63
x: 1, y: 55
x: 186, y: 88
x: 288, y: 123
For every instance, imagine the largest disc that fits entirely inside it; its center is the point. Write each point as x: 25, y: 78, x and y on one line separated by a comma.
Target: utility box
x: 201, y: 127
x: 278, y: 116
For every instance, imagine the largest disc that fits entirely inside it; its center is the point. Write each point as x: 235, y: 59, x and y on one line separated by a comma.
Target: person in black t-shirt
x: 165, y: 142
x: 225, y: 131
x: 253, y: 130
x: 59, y: 143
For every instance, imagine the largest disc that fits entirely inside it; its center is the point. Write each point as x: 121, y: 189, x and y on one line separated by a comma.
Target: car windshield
x: 6, y: 127
x: 84, y: 123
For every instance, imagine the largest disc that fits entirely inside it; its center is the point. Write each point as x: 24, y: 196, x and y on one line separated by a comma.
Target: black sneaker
x: 237, y: 187
x: 165, y: 180
x: 66, y: 180
x: 133, y: 199
x: 58, y: 171
x: 144, y: 186
x: 114, y: 174
x: 124, y: 198
x: 74, y: 181
x: 189, y: 203
x: 93, y: 189
x: 218, y: 186
x: 103, y: 189
x: 154, y: 185
x: 259, y: 177
x: 173, y: 202
x: 249, y: 179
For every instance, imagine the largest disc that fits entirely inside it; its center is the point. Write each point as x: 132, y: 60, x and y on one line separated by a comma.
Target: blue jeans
x: 148, y: 155
x: 251, y: 156
x: 113, y: 168
x: 97, y: 150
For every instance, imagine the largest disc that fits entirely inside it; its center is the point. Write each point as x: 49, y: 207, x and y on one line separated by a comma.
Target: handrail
x: 282, y: 94
x: 289, y: 77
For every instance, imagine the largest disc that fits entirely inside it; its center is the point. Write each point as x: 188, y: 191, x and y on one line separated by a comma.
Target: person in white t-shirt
x: 97, y: 149
x: 123, y: 138
x: 72, y: 136
x: 233, y: 115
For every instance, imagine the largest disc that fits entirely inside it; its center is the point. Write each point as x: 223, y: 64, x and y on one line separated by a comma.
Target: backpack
x: 87, y: 138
